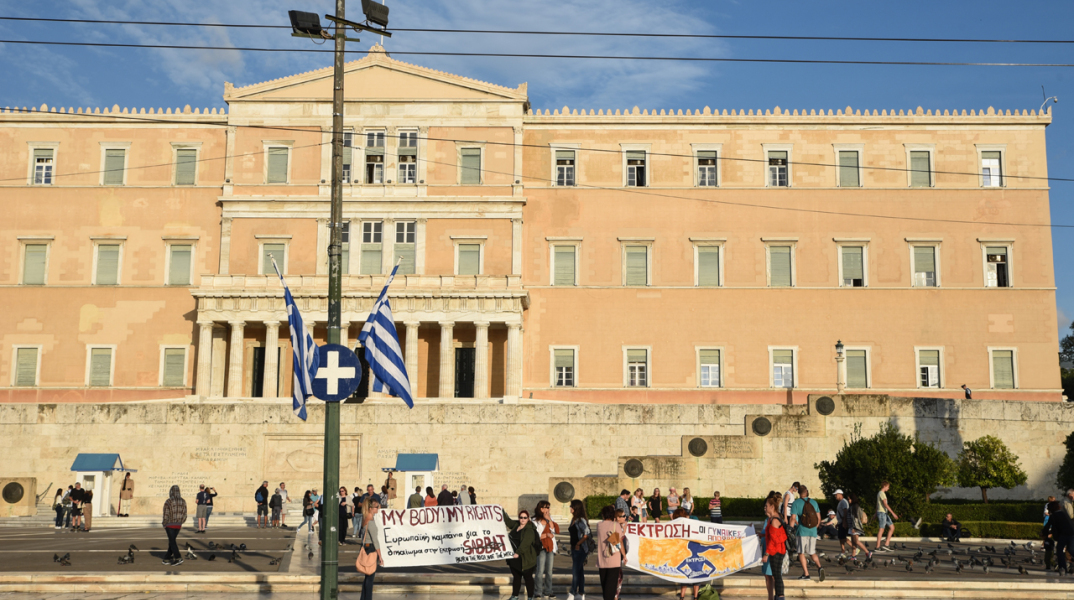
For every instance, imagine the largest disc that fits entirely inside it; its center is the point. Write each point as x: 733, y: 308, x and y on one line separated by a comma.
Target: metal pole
x: 330, y: 547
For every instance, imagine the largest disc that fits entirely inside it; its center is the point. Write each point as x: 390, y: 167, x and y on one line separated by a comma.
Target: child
x: 635, y: 516
x: 775, y: 550
x: 276, y: 504
x: 715, y: 513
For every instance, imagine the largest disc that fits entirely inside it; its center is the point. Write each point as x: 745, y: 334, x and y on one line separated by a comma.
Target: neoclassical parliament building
x: 601, y: 255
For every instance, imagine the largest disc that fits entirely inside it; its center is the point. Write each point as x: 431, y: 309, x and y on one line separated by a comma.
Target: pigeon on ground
x: 275, y: 561
x: 234, y: 556
x: 125, y: 560
x: 1022, y: 570
x: 190, y: 554
x: 132, y: 548
x: 310, y: 555
x: 212, y: 546
x: 958, y: 569
x: 984, y: 568
x: 189, y: 547
x: 55, y: 558
x: 910, y: 566
x: 928, y: 568
x: 1029, y: 546
x: 212, y: 557
x: 242, y: 547
x: 64, y: 562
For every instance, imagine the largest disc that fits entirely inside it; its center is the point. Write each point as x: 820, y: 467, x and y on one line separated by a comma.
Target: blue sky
x: 170, y: 78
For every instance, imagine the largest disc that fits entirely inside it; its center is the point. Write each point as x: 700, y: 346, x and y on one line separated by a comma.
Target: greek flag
x: 381, y: 342
x: 306, y: 360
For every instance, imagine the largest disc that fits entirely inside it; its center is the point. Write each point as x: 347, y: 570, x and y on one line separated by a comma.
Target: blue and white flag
x: 381, y: 342
x: 306, y: 359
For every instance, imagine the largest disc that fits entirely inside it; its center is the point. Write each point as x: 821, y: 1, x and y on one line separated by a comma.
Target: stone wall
x: 505, y: 451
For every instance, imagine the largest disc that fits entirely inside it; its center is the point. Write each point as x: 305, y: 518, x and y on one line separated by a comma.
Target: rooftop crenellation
x: 114, y: 110
x: 778, y: 112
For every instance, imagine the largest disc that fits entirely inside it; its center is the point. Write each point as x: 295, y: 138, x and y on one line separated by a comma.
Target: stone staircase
x: 46, y: 518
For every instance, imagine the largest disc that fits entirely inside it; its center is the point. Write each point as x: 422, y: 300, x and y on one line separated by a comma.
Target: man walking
x: 415, y: 500
x: 261, y: 496
x: 174, y: 517
x: 885, y: 517
x: 283, y: 509
x: 842, y: 515
x: 805, y: 517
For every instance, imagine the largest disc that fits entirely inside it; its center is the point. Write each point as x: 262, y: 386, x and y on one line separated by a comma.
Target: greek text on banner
x: 442, y: 535
x: 689, y: 551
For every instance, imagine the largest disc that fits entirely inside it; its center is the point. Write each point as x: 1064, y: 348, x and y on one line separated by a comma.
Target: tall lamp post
x: 305, y: 24
x: 840, y: 379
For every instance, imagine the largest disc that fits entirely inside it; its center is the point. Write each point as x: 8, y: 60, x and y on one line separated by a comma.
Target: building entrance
x: 464, y: 372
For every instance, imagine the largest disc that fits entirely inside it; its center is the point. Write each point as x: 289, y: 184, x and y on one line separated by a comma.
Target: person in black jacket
x: 445, y: 498
x: 1061, y: 530
x: 950, y: 528
x: 261, y: 497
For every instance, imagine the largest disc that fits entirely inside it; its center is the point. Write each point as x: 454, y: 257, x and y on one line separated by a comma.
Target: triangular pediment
x: 377, y: 76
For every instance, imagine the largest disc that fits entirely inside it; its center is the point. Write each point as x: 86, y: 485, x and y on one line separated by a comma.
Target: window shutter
x: 564, y: 358
x: 469, y: 259
x: 407, y: 252
x: 408, y: 151
x: 564, y: 265
x: 101, y: 367
x: 782, y: 357
x: 42, y: 153
x: 1003, y: 369
x: 113, y: 166
x: 636, y: 356
x: 186, y: 161
x: 848, y: 169
x: 710, y: 357
x: 564, y: 155
x: 33, y: 271
x: 777, y: 155
x: 852, y: 263
x: 780, y: 257
x: 471, y: 165
x: 269, y: 252
x: 174, y: 366
x: 26, y: 374
x: 371, y: 259
x: 277, y: 164
x: 637, y: 268
x: 924, y: 259
x: 107, y: 264
x: 348, y: 154
x: 919, y: 169
x: 635, y: 155
x: 1000, y: 250
x: 708, y: 265
x: 706, y: 154
x: 929, y: 358
x: 180, y: 265
x: 856, y: 369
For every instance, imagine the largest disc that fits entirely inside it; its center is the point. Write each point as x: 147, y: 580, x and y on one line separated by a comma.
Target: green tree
x: 986, y: 462
x: 1068, y: 383
x: 1066, y: 354
x: 1064, y: 479
x: 914, y: 468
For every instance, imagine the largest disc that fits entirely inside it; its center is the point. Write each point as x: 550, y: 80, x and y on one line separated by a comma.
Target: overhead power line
x: 574, y: 33
x: 560, y: 56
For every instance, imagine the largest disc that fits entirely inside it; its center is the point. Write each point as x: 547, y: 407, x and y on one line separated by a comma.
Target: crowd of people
x: 639, y: 509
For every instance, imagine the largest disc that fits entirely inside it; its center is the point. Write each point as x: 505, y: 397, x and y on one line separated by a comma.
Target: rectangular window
x: 710, y: 368
x: 186, y: 166
x: 780, y: 267
x: 920, y: 169
x: 637, y: 265
x: 345, y: 248
x: 1003, y: 369
x: 637, y: 368
x: 107, y: 264
x: 100, y: 369
x: 564, y: 167
x: 777, y: 168
x: 996, y: 269
x: 180, y: 257
x: 372, y: 248
x: 848, y: 168
x: 174, y: 367
x: 853, y: 258
x: 708, y: 266
x: 635, y: 160
x: 277, y: 164
x: 564, y: 267
x: 406, y: 246
x: 35, y: 258
x: 706, y: 168
x: 374, y: 157
x: 348, y: 156
x: 374, y: 139
x: 408, y: 158
x: 469, y: 259
x: 991, y: 174
x: 470, y: 166
x: 26, y: 367
x: 43, y: 162
x: 564, y: 367
x: 269, y: 252
x: 857, y: 369
x: 783, y: 368
x: 924, y: 266
x: 114, y: 163
x: 929, y: 368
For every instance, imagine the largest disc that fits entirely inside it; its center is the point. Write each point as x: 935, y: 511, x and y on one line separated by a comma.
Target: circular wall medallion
x: 564, y: 492
x: 13, y: 492
x: 825, y: 405
x: 634, y: 468
x: 762, y: 426
x: 698, y: 447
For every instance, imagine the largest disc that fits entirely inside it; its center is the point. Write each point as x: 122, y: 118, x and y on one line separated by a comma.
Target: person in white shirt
x: 286, y: 499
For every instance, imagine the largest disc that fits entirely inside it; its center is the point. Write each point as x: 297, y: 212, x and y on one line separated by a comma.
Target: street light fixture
x: 839, y: 378
x: 839, y: 348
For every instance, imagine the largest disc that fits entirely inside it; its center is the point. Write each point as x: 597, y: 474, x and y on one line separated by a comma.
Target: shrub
x: 1064, y: 479
x: 987, y: 463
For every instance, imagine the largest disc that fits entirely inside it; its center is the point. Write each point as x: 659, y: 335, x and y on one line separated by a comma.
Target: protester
x: 415, y: 500
x: 687, y: 502
x: 842, y: 513
x: 680, y: 513
x: 473, y: 495
x: 858, y: 519
x: 371, y: 543
x: 547, y: 530
x: 715, y: 509
x: 805, y: 517
x: 261, y: 497
x: 126, y: 494
x: 580, y: 534
x: 638, y: 500
x: 464, y: 496
x: 174, y: 517
x: 655, y: 506
x: 204, y: 503
x: 87, y: 510
x: 885, y: 517
x: 430, y: 499
x: 390, y: 483
x: 523, y: 537
x: 623, y: 502
x: 444, y: 497
x: 829, y: 527
x: 346, y: 512
x: 307, y: 512
x: 775, y: 549
x: 950, y: 528
x: 57, y: 505
x: 673, y: 501
x: 283, y: 508
x: 276, y: 504
x: 1061, y: 531
x: 611, y: 551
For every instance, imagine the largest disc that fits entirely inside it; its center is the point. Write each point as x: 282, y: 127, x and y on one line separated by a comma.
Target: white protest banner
x: 442, y: 535
x: 688, y: 551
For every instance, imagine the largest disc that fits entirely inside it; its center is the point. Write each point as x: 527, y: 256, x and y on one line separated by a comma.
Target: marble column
x: 514, y: 360
x: 447, y: 359
x: 216, y: 380
x: 481, y: 360
x: 270, y: 382
x: 411, y: 357
x: 344, y: 333
x: 205, y: 358
x: 234, y: 369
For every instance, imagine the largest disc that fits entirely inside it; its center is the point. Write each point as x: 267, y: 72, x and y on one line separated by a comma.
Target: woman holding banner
x: 524, y: 540
x: 371, y: 544
x: 547, y: 529
x: 611, y: 552
x: 579, y: 530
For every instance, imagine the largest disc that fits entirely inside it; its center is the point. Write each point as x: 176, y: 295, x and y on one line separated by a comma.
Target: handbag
x: 367, y: 561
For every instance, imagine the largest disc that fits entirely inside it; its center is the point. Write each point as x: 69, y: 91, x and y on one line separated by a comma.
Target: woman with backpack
x: 611, y: 551
x: 547, y: 530
x: 656, y: 505
x: 775, y: 549
x: 858, y: 519
x: 580, y: 540
x: 523, y: 537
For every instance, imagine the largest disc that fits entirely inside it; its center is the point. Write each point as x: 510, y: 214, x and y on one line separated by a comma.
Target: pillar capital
x: 237, y: 323
x: 447, y: 324
x: 206, y: 323
x: 409, y: 324
x: 272, y: 325
x: 481, y: 324
x: 514, y: 325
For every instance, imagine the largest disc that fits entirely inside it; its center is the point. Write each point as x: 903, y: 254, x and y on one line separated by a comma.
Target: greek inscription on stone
x: 159, y: 485
x: 732, y: 447
x: 218, y: 453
